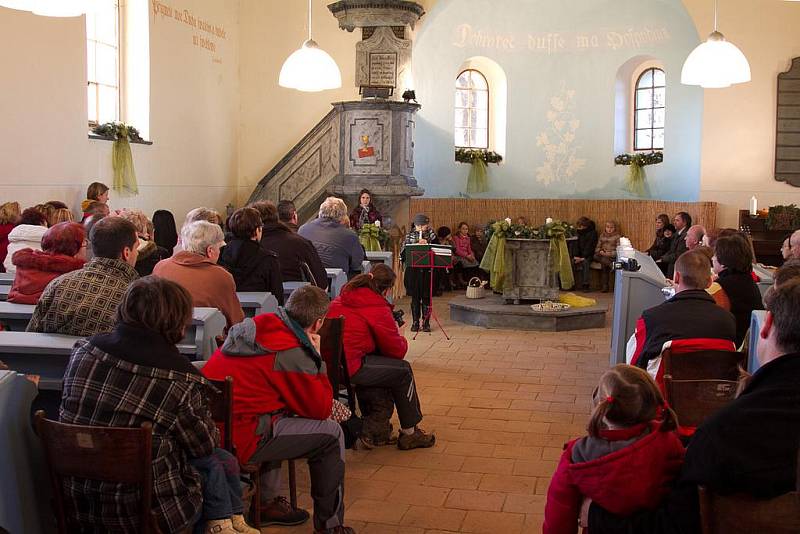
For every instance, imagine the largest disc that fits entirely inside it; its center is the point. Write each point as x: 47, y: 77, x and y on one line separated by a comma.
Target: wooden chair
x: 742, y: 514
x: 108, y: 454
x: 332, y: 347
x: 697, y: 384
x: 220, y: 403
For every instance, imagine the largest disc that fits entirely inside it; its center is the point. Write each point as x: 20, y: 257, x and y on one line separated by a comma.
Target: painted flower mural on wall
x: 561, y: 161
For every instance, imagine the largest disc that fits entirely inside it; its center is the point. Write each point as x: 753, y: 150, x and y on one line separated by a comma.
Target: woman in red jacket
x: 374, y: 347
x: 63, y: 251
x: 627, y: 461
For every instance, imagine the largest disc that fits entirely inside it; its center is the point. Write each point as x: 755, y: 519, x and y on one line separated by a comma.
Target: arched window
x: 649, y: 110
x: 472, y: 110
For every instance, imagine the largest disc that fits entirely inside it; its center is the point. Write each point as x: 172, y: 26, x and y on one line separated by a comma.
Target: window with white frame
x: 649, y: 110
x: 472, y: 110
x: 103, y: 61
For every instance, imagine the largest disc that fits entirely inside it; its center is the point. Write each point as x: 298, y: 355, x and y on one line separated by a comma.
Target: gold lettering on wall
x: 205, y: 34
x: 465, y: 36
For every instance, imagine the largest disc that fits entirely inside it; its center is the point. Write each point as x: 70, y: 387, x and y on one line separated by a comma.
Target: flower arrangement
x: 636, y: 174
x: 117, y: 130
x: 640, y: 159
x: 550, y: 229
x: 469, y: 155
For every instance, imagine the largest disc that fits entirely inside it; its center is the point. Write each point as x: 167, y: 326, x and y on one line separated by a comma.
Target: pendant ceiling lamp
x: 310, y: 68
x: 49, y: 8
x: 715, y: 64
x: 59, y: 8
x: 22, y: 5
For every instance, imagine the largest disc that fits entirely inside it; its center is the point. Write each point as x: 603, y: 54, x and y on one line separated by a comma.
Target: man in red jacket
x: 282, y: 403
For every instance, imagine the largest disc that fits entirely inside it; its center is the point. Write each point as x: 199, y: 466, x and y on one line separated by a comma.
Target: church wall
x: 723, y: 153
x: 193, y: 121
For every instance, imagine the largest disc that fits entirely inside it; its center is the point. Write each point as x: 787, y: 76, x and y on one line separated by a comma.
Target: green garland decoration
x: 637, y: 162
x: 518, y: 231
x: 117, y: 130
x: 785, y: 218
x: 478, y: 179
x: 121, y: 156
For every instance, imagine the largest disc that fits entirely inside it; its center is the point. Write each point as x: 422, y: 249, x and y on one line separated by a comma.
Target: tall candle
x: 753, y: 205
x: 420, y: 235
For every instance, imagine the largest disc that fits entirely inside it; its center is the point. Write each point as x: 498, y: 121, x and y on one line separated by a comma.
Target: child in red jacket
x: 627, y: 461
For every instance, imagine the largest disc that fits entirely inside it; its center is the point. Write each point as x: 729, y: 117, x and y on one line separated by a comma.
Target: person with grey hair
x: 336, y: 243
x: 195, y: 268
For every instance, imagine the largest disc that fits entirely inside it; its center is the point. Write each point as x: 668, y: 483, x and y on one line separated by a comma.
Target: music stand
x: 430, y: 257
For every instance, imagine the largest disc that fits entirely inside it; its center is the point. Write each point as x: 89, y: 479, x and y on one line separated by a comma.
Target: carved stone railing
x: 362, y: 144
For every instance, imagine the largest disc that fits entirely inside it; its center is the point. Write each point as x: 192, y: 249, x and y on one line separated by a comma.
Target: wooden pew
x: 15, y: 317
x: 384, y: 257
x: 33, y: 353
x: 257, y: 303
x: 4, y: 290
x: 6, y: 279
x: 198, y: 343
x: 337, y: 278
x: 288, y: 287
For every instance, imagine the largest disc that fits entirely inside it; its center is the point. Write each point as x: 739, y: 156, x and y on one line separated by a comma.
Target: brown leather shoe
x: 280, y: 512
x: 418, y: 440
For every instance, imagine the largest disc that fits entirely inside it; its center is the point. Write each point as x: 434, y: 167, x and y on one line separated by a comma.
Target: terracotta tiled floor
x: 501, y: 403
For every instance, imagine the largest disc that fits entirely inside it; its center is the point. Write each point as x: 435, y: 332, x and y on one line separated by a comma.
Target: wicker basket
x: 475, y: 292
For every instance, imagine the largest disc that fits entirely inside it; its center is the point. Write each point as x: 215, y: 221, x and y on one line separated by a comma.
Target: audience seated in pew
x: 84, y: 302
x: 196, y: 269
x: 336, y: 243
x: 375, y: 348
x: 689, y: 321
x: 96, y: 193
x: 63, y: 251
x: 149, y: 252
x: 738, y: 293
x: 283, y: 403
x: 748, y: 447
x: 298, y: 258
x: 27, y: 233
x: 628, y: 460
x: 287, y: 214
x: 165, y: 234
x: 583, y: 251
x: 253, y: 268
x: 199, y: 214
x: 9, y: 215
x: 193, y: 479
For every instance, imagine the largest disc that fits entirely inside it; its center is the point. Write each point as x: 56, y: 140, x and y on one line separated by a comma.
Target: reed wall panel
x: 635, y: 217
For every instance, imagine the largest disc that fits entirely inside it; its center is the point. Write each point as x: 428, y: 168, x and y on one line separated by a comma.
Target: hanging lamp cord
x: 715, y: 15
x: 309, y: 20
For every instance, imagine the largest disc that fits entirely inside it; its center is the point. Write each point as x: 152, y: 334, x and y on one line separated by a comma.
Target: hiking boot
x: 341, y: 529
x: 418, y: 440
x: 240, y: 525
x: 219, y: 526
x: 280, y: 512
x: 415, y: 327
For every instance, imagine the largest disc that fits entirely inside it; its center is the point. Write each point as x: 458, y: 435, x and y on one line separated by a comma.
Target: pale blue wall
x: 536, y: 76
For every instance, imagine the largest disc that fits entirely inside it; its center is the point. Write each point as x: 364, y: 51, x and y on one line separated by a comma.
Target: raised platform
x: 492, y: 312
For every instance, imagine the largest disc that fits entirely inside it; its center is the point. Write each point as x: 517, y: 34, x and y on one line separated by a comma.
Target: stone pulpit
x: 368, y: 143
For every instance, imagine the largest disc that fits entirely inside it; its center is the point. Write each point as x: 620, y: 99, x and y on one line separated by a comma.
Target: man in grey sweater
x: 336, y: 243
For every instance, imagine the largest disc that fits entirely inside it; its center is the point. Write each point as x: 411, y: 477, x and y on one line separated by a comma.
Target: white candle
x: 420, y: 235
x: 753, y: 205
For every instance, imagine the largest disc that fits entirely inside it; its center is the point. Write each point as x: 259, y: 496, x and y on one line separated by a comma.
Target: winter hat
x: 420, y: 219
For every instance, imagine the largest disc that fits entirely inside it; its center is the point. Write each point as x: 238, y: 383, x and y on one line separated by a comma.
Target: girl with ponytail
x: 628, y: 459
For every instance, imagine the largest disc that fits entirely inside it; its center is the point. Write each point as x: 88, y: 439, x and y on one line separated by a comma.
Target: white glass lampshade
x: 59, y: 8
x: 22, y: 5
x: 716, y: 63
x: 310, y: 69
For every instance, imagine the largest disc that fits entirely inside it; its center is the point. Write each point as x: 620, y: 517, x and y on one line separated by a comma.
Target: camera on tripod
x: 398, y: 317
